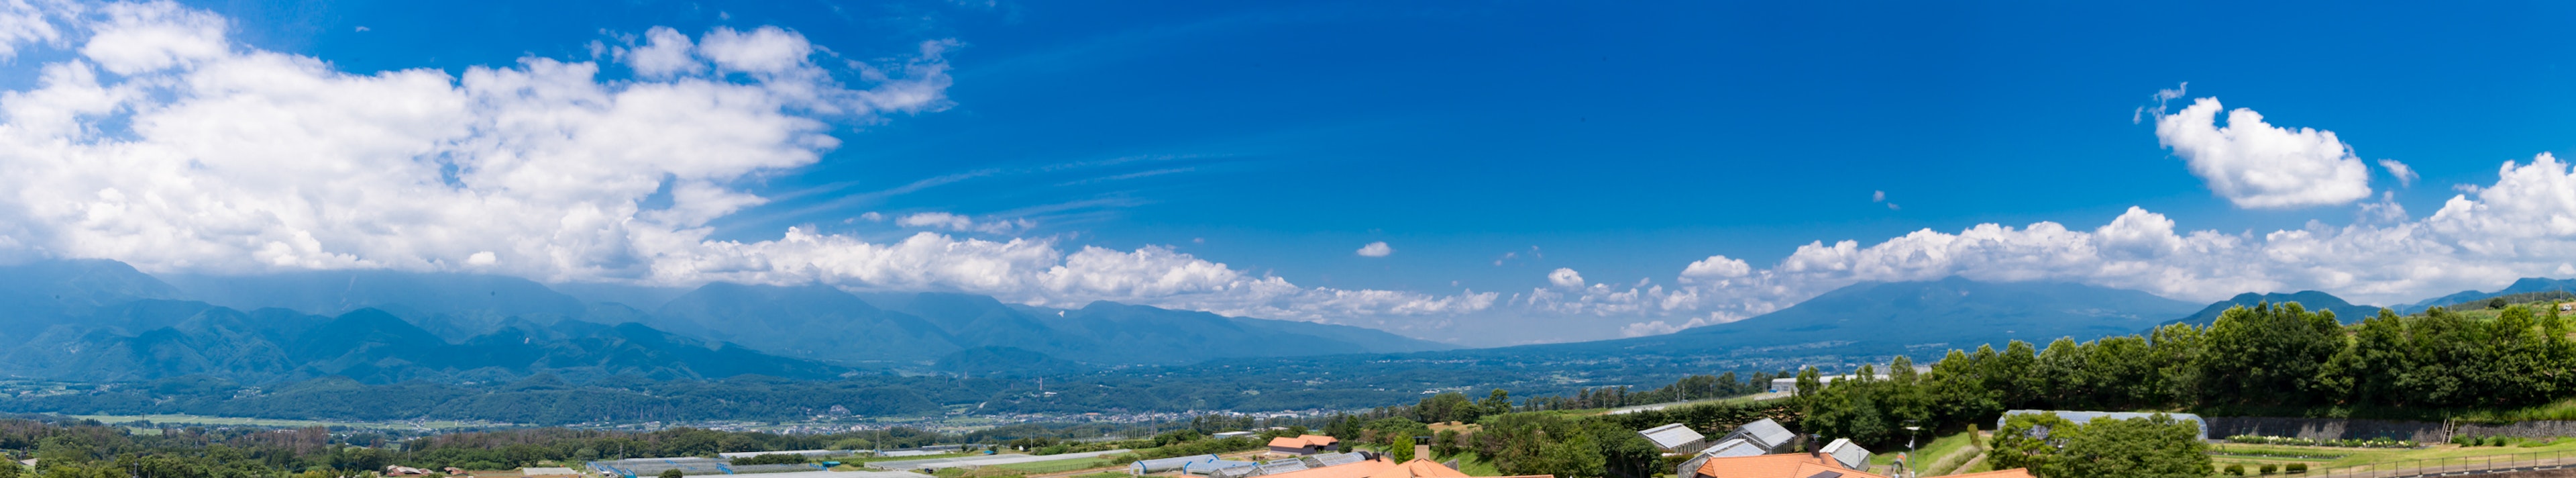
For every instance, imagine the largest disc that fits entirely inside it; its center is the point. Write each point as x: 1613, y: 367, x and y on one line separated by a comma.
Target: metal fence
x: 2457, y: 466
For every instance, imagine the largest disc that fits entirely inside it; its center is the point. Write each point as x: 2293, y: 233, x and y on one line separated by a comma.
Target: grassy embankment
x: 1935, y: 457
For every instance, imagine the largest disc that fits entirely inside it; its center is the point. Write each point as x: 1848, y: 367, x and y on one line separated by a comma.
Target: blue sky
x: 1490, y: 143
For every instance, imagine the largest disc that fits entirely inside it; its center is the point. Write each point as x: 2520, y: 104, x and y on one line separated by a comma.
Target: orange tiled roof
x: 1785, y: 465
x: 1302, y: 441
x: 2012, y: 473
x: 1382, y: 468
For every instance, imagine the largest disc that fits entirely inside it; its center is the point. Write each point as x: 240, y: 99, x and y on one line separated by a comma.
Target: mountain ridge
x: 1857, y: 320
x: 2311, y: 300
x: 2519, y: 286
x: 105, y: 318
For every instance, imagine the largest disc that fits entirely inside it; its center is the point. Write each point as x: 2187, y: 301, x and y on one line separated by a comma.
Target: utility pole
x: 1909, y: 451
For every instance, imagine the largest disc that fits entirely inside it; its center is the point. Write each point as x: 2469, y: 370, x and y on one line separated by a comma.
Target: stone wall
x: 2531, y: 429
x: 2327, y: 428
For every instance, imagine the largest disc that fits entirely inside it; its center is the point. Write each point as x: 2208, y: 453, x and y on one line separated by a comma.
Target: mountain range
x: 104, y: 320
x: 2523, y: 286
x: 1916, y: 318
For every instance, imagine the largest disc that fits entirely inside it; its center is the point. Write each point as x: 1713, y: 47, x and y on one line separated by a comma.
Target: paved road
x: 1754, y: 397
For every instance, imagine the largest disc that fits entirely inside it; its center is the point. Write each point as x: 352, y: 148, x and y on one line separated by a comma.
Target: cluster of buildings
x: 1764, y: 449
x: 1290, y: 455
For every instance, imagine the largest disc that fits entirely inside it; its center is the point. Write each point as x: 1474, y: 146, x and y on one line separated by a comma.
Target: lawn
x: 1474, y: 465
x: 2337, y: 458
x: 1938, y: 455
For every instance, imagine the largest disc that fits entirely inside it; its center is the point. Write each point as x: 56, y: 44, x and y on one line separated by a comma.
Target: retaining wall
x: 2357, y: 429
x: 2327, y: 428
x: 2531, y: 429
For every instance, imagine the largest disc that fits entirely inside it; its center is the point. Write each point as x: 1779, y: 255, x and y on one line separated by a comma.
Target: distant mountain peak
x: 2309, y: 299
x: 2519, y: 286
x: 1874, y: 318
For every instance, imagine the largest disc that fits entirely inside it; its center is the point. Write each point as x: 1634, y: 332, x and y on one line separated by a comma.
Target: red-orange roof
x: 2012, y: 473
x: 1302, y: 441
x: 1382, y: 468
x: 1786, y: 465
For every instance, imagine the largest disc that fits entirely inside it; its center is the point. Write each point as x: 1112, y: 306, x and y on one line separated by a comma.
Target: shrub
x: 2297, y: 468
x: 2268, y: 468
x: 2236, y: 469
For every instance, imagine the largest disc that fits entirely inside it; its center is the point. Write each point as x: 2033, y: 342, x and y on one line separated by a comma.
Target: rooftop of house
x: 1382, y: 468
x: 1302, y: 441
x: 1671, y: 436
x: 1767, y: 431
x: 1786, y: 465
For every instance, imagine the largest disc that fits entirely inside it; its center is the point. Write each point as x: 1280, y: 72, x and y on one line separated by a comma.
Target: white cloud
x: 21, y: 22
x: 2256, y: 165
x: 958, y: 223
x: 2524, y: 225
x: 1716, y: 268
x: 2405, y: 175
x: 665, y: 52
x: 1376, y: 249
x: 144, y: 37
x: 1878, y: 196
x: 1563, y: 277
x: 156, y: 140
x: 766, y: 49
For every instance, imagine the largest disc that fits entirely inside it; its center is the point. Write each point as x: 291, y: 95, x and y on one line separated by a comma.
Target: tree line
x: 2264, y: 359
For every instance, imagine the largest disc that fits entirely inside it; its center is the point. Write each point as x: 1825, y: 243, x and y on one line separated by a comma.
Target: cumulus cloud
x: 155, y: 139
x: 665, y: 52
x: 2524, y: 225
x: 1376, y: 249
x: 1563, y: 277
x: 2256, y: 165
x: 1715, y: 268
